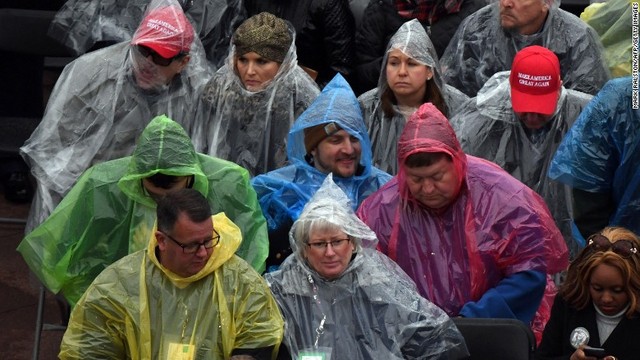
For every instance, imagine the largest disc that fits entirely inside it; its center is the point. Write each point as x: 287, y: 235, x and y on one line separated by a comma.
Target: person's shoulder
x: 124, y: 268
x: 109, y: 171
x: 569, y: 20
x: 379, y: 176
x: 482, y: 15
x: 283, y: 175
x: 477, y: 166
x: 484, y: 175
x: 572, y: 31
x: 386, y: 194
x: 237, y: 273
x: 105, y: 61
x: 216, y: 168
x: 220, y: 81
x: 100, y: 178
x: 94, y: 70
x: 577, y: 98
x: 302, y: 81
x: 492, y: 187
x: 619, y: 89
x: 369, y: 97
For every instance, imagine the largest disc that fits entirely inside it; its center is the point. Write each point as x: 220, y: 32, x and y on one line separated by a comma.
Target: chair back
x: 25, y: 31
x: 497, y: 338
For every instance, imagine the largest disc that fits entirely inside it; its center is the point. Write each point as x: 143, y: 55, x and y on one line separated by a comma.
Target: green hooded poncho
x: 108, y: 213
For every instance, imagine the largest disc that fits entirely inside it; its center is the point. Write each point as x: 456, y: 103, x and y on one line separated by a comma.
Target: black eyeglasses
x: 335, y: 244
x: 155, y: 57
x: 193, y: 248
x: 624, y: 248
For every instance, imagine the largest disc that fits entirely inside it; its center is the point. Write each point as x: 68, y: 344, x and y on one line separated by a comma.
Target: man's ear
x: 547, y: 4
x: 161, y: 239
x: 184, y: 62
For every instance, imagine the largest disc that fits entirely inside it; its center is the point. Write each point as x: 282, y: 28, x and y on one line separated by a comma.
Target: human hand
x: 579, y: 354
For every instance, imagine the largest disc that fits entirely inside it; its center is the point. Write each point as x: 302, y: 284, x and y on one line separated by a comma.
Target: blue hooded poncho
x: 282, y: 193
x: 601, y: 152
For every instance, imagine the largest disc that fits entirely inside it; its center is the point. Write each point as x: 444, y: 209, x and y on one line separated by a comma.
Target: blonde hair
x: 575, y: 289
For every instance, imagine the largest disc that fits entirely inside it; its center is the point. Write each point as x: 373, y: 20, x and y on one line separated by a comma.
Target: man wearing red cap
x: 164, y: 39
x: 104, y: 99
x: 518, y: 120
x: 84, y: 25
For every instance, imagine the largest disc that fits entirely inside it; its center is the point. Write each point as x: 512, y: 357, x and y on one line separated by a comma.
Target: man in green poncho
x: 186, y: 297
x: 110, y: 212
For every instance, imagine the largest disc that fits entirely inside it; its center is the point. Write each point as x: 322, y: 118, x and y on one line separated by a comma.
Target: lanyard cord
x: 320, y: 328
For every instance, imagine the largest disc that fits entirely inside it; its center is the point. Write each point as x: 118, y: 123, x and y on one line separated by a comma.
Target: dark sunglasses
x: 155, y: 57
x: 624, y: 248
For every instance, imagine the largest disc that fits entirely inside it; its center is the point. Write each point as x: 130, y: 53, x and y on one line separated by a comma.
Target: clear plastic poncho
x: 96, y: 112
x: 612, y: 21
x: 488, y: 128
x: 284, y: 192
x: 371, y: 311
x: 495, y: 227
x: 414, y: 42
x: 250, y: 128
x: 108, y: 214
x: 80, y: 24
x: 138, y: 309
x: 601, y: 152
x: 481, y: 48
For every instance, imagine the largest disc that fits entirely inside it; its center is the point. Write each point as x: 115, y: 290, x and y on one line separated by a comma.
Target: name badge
x: 311, y: 356
x: 180, y: 351
x: 321, y: 353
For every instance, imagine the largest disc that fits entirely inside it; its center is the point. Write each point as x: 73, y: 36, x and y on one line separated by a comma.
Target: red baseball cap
x: 166, y: 30
x: 535, y: 81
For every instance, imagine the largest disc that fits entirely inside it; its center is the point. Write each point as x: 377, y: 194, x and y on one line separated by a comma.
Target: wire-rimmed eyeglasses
x: 622, y: 247
x: 193, y: 248
x: 335, y: 244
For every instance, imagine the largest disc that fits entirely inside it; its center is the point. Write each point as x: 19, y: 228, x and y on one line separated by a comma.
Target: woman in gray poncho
x: 249, y: 105
x: 342, y: 299
x: 409, y: 78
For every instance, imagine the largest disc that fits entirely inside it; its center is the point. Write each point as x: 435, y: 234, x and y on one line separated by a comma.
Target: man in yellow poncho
x: 186, y: 297
x: 110, y: 212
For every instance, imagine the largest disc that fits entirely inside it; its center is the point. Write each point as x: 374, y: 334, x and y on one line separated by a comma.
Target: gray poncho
x: 481, y: 48
x: 371, y: 311
x: 96, y: 113
x: 488, y: 128
x: 251, y: 128
x: 80, y: 24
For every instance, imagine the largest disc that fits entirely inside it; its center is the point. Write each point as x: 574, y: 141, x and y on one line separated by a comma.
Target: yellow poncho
x: 137, y: 309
